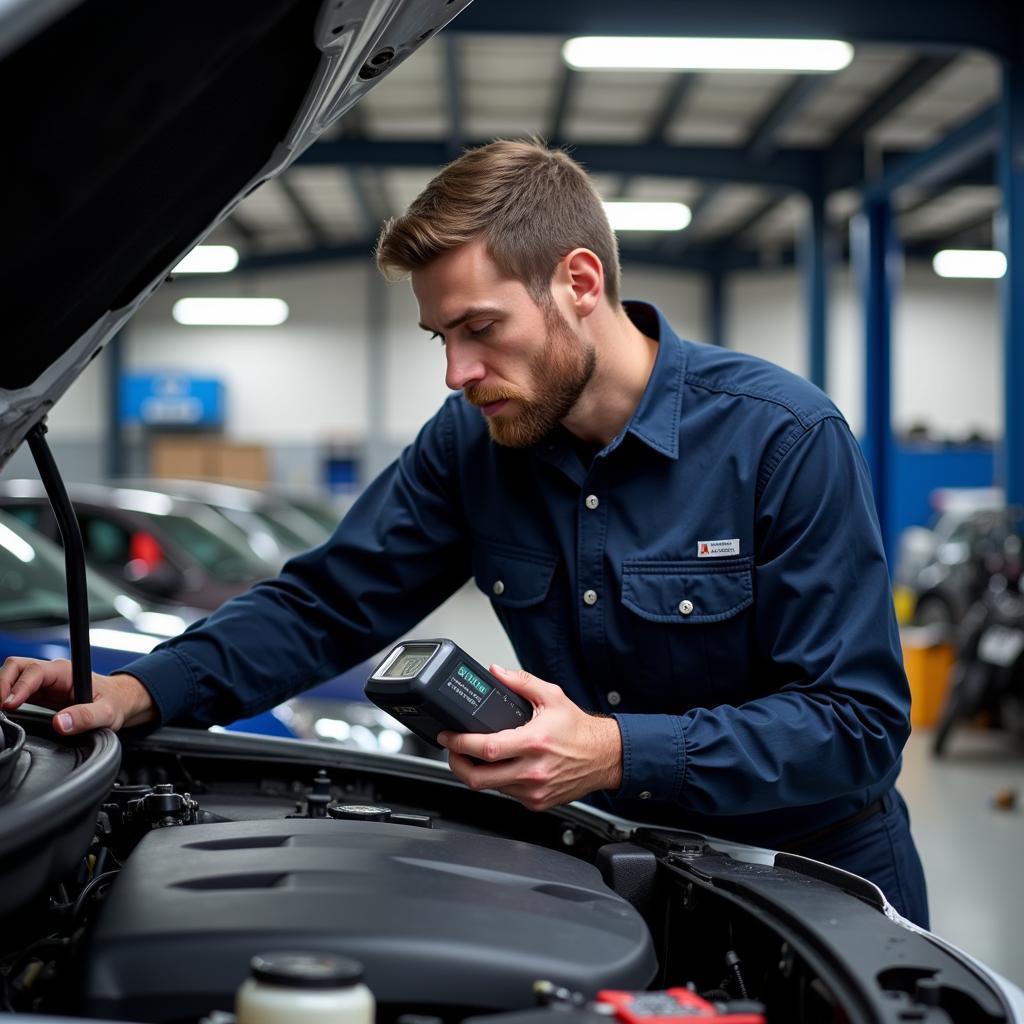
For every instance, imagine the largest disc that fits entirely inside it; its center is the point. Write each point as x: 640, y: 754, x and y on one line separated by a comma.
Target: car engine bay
x: 146, y: 898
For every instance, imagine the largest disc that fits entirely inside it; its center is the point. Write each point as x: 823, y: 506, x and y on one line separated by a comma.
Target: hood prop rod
x: 74, y: 562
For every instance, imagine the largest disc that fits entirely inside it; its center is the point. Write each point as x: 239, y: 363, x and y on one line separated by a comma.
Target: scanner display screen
x: 465, y: 673
x: 410, y: 661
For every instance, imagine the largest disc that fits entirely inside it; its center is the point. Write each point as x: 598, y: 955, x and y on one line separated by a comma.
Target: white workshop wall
x: 947, y: 345
x: 291, y: 384
x: 306, y: 383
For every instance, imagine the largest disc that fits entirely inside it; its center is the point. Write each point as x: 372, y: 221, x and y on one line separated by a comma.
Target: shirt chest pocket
x: 688, y: 628
x: 519, y: 584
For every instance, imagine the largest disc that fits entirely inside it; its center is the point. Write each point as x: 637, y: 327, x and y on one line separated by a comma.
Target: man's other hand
x: 561, y: 754
x: 118, y: 701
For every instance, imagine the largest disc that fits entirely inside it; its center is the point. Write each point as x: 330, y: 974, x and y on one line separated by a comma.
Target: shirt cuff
x: 169, y: 680
x: 653, y: 757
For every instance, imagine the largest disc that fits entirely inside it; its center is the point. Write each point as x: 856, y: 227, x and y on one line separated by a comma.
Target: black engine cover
x: 436, y: 917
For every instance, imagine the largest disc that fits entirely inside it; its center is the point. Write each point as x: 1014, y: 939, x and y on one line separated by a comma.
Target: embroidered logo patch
x: 718, y: 548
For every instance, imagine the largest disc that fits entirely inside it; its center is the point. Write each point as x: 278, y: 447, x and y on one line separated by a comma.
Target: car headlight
x: 354, y: 724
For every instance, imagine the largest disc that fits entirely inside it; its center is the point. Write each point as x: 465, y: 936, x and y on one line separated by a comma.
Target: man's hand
x: 118, y: 701
x: 561, y: 754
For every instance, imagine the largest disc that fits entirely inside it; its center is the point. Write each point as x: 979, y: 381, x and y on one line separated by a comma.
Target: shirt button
x: 590, y: 597
x: 685, y: 607
x: 592, y: 501
x: 645, y: 795
x: 614, y: 697
x: 498, y: 588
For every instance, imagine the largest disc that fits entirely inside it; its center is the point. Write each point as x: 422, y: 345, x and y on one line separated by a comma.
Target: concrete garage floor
x: 973, y: 854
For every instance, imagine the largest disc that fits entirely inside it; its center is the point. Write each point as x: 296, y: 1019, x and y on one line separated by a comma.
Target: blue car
x: 34, y: 624
x: 34, y: 611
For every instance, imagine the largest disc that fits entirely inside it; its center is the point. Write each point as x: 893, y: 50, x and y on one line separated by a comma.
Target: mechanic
x: 679, y: 540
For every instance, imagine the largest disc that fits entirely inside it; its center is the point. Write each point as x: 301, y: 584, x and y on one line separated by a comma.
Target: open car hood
x: 134, y: 128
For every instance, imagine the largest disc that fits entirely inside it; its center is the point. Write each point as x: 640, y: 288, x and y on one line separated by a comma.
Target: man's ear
x: 585, y: 277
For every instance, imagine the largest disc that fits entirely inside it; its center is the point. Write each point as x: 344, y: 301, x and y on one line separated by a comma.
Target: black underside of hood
x: 128, y: 128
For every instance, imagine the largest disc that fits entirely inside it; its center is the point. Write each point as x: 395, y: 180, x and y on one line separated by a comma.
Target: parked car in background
x: 276, y: 528
x: 34, y: 606
x: 155, y: 546
x: 943, y: 569
x: 325, y: 511
x: 32, y: 590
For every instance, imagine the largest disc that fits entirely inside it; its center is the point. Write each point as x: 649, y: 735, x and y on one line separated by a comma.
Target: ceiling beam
x: 299, y: 258
x: 369, y: 218
x: 790, y: 168
x: 731, y: 242
x: 676, y: 244
x: 675, y: 96
x: 942, y: 236
x: 763, y: 141
x: 876, y: 110
x: 953, y: 155
x: 700, y: 257
x: 986, y: 24
x: 240, y: 225
x: 302, y: 210
x: 567, y: 84
x: 453, y: 94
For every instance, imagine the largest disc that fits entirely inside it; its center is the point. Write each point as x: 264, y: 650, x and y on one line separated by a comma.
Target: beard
x: 560, y: 372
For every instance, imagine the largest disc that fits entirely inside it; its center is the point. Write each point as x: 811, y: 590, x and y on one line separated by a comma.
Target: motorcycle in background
x: 988, y: 675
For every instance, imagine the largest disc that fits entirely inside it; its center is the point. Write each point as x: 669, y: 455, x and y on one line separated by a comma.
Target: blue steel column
x: 876, y: 257
x: 1011, y: 241
x: 716, y: 306
x: 814, y: 265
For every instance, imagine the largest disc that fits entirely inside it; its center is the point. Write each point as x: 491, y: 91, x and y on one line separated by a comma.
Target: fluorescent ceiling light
x: 656, y: 53
x: 647, y: 216
x: 209, y: 259
x: 969, y: 263
x: 231, y: 312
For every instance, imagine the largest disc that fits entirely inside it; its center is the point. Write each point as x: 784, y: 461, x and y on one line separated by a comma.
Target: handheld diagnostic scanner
x: 432, y: 685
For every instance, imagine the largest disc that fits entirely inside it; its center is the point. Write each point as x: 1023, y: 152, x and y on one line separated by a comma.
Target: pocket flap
x: 512, y: 577
x: 687, y: 592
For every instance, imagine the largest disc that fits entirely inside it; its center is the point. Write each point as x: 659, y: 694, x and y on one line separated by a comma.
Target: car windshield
x: 291, y: 527
x: 32, y: 587
x: 325, y: 515
x: 215, y: 544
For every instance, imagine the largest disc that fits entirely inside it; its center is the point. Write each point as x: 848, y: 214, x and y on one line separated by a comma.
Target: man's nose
x: 463, y: 369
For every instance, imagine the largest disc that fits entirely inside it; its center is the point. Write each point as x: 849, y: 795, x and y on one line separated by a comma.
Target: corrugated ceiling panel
x: 847, y: 93
x: 724, y: 107
x: 964, y: 88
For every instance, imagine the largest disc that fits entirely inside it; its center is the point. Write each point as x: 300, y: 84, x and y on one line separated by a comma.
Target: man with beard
x: 679, y: 540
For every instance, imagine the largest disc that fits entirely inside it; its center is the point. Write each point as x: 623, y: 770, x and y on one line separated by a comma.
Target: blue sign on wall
x: 172, y: 400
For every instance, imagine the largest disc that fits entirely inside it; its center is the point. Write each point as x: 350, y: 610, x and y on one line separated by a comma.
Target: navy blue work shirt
x: 714, y: 579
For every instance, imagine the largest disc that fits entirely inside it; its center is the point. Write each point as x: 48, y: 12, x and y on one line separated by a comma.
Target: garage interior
x: 817, y: 207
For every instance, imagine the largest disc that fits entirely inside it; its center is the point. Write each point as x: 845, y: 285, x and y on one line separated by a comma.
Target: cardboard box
x: 208, y: 458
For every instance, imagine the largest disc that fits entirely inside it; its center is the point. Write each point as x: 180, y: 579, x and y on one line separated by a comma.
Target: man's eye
x: 436, y: 335
x: 476, y: 332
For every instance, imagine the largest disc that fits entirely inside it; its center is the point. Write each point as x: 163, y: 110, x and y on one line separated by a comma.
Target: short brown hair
x: 530, y: 204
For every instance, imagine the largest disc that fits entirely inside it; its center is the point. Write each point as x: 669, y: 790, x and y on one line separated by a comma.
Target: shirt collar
x: 656, y: 419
